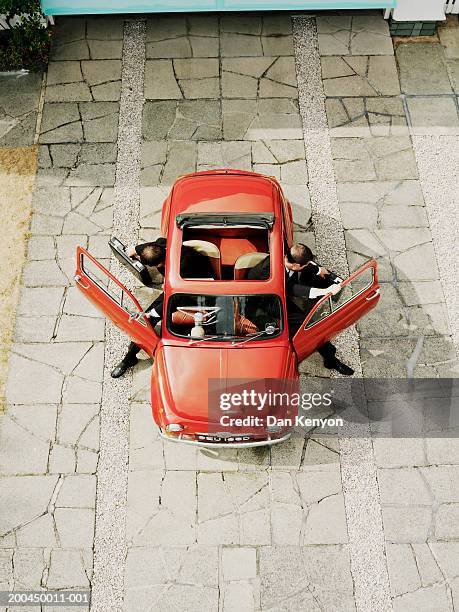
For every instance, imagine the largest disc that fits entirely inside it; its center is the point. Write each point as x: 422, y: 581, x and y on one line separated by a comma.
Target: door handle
x: 78, y: 281
x: 134, y: 316
x: 373, y: 295
x: 137, y: 316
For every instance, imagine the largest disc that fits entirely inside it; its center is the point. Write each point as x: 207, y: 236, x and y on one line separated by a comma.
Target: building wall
x: 75, y: 7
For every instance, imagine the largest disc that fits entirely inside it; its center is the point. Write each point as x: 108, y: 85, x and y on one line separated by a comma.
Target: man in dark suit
x: 153, y: 255
x: 192, y: 263
x: 305, y: 279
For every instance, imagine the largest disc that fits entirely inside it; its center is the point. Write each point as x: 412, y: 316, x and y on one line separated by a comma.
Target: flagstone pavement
x: 251, y: 529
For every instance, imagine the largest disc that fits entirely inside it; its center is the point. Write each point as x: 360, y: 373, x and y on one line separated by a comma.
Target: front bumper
x: 202, y: 444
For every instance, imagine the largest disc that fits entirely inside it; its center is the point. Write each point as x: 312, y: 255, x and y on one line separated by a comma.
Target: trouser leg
x: 331, y: 361
x: 296, y: 316
x: 328, y: 351
x: 131, y: 354
x: 158, y: 306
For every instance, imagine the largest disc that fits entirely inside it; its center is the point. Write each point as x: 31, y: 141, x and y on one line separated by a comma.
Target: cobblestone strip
x: 326, y: 217
x: 358, y: 469
x: 110, y: 533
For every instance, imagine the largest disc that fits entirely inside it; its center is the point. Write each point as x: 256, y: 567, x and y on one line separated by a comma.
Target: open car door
x: 114, y: 300
x: 328, y: 318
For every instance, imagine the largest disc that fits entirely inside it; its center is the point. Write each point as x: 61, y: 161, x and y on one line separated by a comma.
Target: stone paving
x: 19, y: 101
x: 381, y: 200
x: 384, y: 216
x: 221, y: 92
x: 243, y: 530
x: 50, y: 432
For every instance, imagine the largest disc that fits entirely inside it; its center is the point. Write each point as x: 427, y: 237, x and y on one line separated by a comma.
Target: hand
x: 132, y: 253
x: 335, y: 288
x: 323, y: 272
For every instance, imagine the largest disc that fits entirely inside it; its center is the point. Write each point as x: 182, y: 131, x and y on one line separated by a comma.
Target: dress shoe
x: 339, y: 366
x: 123, y: 365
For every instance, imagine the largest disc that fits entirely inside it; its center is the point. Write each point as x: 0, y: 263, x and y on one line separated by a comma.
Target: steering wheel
x: 207, y: 312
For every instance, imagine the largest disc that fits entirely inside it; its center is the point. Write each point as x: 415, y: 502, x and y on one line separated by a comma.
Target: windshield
x: 224, y: 317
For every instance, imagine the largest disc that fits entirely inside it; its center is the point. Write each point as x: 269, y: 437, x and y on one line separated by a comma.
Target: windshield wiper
x: 238, y: 340
x: 218, y: 337
x: 258, y: 335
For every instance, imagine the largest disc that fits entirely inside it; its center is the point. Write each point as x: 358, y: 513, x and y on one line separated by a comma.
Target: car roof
x: 224, y: 191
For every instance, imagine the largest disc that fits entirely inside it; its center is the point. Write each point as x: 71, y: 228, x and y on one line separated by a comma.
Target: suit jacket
x: 194, y: 264
x: 261, y: 270
x: 297, y: 284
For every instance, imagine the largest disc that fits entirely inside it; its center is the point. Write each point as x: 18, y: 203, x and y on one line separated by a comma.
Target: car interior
x: 232, y: 250
x: 224, y: 316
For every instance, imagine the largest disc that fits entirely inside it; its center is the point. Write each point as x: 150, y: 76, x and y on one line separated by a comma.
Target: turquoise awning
x: 86, y: 7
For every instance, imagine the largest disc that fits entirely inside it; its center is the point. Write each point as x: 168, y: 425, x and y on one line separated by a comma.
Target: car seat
x: 211, y: 251
x: 245, y: 262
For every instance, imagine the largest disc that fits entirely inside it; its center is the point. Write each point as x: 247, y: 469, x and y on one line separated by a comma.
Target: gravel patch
x: 326, y: 216
x: 358, y: 469
x: 110, y: 547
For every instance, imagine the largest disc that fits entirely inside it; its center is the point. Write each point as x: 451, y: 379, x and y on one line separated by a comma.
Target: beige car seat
x: 245, y: 262
x: 211, y: 251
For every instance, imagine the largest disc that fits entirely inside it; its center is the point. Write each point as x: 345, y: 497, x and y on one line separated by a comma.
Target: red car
x: 226, y: 327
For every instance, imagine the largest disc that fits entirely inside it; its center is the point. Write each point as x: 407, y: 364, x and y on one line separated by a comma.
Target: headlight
x: 174, y: 427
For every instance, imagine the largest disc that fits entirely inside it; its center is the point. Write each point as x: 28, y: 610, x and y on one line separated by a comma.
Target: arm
x: 312, y: 292
x: 317, y: 276
x: 156, y: 307
x: 332, y: 277
x: 329, y: 275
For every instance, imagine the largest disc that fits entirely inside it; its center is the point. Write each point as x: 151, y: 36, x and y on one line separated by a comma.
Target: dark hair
x: 299, y: 254
x: 151, y: 254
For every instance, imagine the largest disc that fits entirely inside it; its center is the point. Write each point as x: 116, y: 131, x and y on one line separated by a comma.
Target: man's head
x: 151, y: 254
x: 298, y: 257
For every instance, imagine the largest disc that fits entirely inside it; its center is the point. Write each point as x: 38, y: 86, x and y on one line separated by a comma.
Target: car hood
x: 184, y: 373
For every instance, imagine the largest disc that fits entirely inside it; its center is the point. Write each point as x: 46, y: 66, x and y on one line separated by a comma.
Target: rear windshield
x: 225, y: 317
